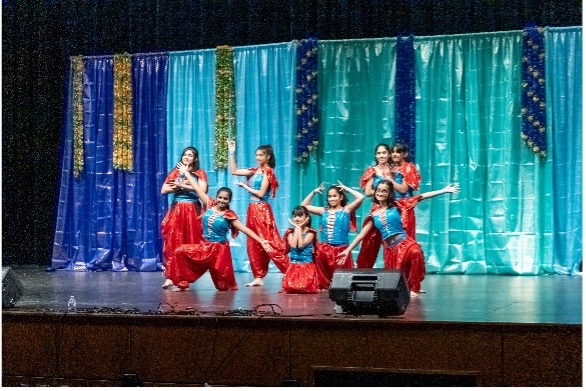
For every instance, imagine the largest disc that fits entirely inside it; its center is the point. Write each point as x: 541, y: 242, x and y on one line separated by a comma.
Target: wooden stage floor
x: 546, y: 299
x: 481, y: 330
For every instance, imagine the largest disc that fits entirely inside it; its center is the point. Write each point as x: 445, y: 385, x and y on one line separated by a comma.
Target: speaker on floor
x: 12, y: 288
x: 382, y: 292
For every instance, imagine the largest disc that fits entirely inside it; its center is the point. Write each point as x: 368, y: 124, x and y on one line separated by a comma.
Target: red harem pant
x: 408, y: 257
x: 181, y: 225
x: 408, y: 220
x: 326, y: 262
x: 261, y: 221
x: 300, y: 278
x: 369, y: 249
x: 193, y: 260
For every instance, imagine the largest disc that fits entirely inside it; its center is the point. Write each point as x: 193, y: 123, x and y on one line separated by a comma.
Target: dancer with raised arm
x: 181, y: 224
x: 261, y: 182
x: 384, y: 170
x: 400, y: 250
x: 337, y: 220
x: 213, y: 253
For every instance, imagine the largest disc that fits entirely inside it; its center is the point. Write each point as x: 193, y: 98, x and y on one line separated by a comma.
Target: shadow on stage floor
x: 465, y: 330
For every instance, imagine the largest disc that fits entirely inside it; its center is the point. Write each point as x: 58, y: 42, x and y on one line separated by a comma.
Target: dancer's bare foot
x: 413, y: 294
x: 180, y: 289
x: 167, y: 283
x: 256, y: 282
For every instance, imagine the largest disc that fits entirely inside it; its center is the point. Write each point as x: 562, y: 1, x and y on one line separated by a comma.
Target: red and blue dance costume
x: 404, y: 252
x: 371, y: 243
x: 301, y: 275
x: 335, y: 228
x: 261, y: 221
x: 213, y: 253
x: 182, y: 223
x: 407, y: 173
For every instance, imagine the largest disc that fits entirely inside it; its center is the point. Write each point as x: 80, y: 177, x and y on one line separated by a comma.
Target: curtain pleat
x: 564, y: 102
x: 265, y: 114
x: 468, y: 121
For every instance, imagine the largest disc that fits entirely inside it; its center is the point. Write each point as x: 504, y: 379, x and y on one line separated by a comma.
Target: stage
x: 466, y: 330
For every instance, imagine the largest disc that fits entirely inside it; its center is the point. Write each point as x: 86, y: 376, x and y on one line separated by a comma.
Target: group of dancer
x: 196, y: 228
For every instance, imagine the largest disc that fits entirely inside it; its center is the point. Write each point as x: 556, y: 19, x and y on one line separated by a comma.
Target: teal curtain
x: 468, y: 126
x: 356, y: 92
x: 564, y: 103
x: 265, y: 102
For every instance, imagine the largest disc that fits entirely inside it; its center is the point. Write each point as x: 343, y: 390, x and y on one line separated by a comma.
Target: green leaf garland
x: 122, y: 132
x: 77, y: 77
x: 225, y: 125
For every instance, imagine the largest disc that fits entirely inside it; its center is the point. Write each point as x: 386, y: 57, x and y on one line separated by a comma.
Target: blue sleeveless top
x: 215, y: 226
x: 302, y: 255
x: 388, y: 223
x: 255, y: 182
x: 186, y: 195
x: 399, y: 180
x: 335, y: 234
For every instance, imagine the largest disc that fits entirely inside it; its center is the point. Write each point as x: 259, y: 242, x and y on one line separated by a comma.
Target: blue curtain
x: 265, y: 102
x: 468, y: 122
x: 108, y: 219
x: 564, y: 103
x: 144, y: 207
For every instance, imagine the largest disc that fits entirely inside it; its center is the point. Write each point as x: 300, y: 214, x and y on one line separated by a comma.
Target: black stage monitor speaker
x: 12, y: 288
x: 379, y: 292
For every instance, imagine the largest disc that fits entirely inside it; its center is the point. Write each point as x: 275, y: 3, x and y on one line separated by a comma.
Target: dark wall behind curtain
x: 39, y: 36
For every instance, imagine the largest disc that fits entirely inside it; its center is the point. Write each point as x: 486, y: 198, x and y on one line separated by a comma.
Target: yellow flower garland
x: 225, y: 104
x: 122, y: 132
x: 77, y: 78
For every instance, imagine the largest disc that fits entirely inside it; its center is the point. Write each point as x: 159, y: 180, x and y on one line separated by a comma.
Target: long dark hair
x: 268, y: 149
x: 391, y: 197
x: 386, y: 146
x: 302, y: 211
x: 195, y: 165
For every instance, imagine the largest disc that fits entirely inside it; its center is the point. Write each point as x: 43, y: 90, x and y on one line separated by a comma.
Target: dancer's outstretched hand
x: 455, y: 188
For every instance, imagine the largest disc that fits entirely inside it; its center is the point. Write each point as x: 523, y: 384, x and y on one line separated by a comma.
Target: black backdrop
x: 39, y: 36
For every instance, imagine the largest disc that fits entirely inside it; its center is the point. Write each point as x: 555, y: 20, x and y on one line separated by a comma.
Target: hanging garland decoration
x: 533, y: 94
x: 405, y: 94
x: 225, y: 104
x: 77, y: 78
x: 306, y: 98
x: 122, y: 132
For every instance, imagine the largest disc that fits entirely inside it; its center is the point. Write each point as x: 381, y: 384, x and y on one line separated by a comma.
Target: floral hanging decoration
x: 533, y: 94
x: 306, y: 98
x: 77, y: 78
x: 225, y: 124
x: 123, y: 136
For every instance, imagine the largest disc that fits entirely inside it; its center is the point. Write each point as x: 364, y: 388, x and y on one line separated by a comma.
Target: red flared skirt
x: 261, y: 221
x: 407, y: 256
x: 181, y: 225
x: 193, y: 260
x: 326, y: 263
x: 300, y: 278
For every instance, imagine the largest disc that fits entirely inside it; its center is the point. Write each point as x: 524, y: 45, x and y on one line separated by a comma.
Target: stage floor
x: 546, y: 299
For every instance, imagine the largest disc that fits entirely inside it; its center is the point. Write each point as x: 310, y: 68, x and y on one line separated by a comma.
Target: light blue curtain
x: 468, y: 126
x: 191, y: 110
x: 564, y: 103
x: 356, y: 93
x: 265, y: 114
